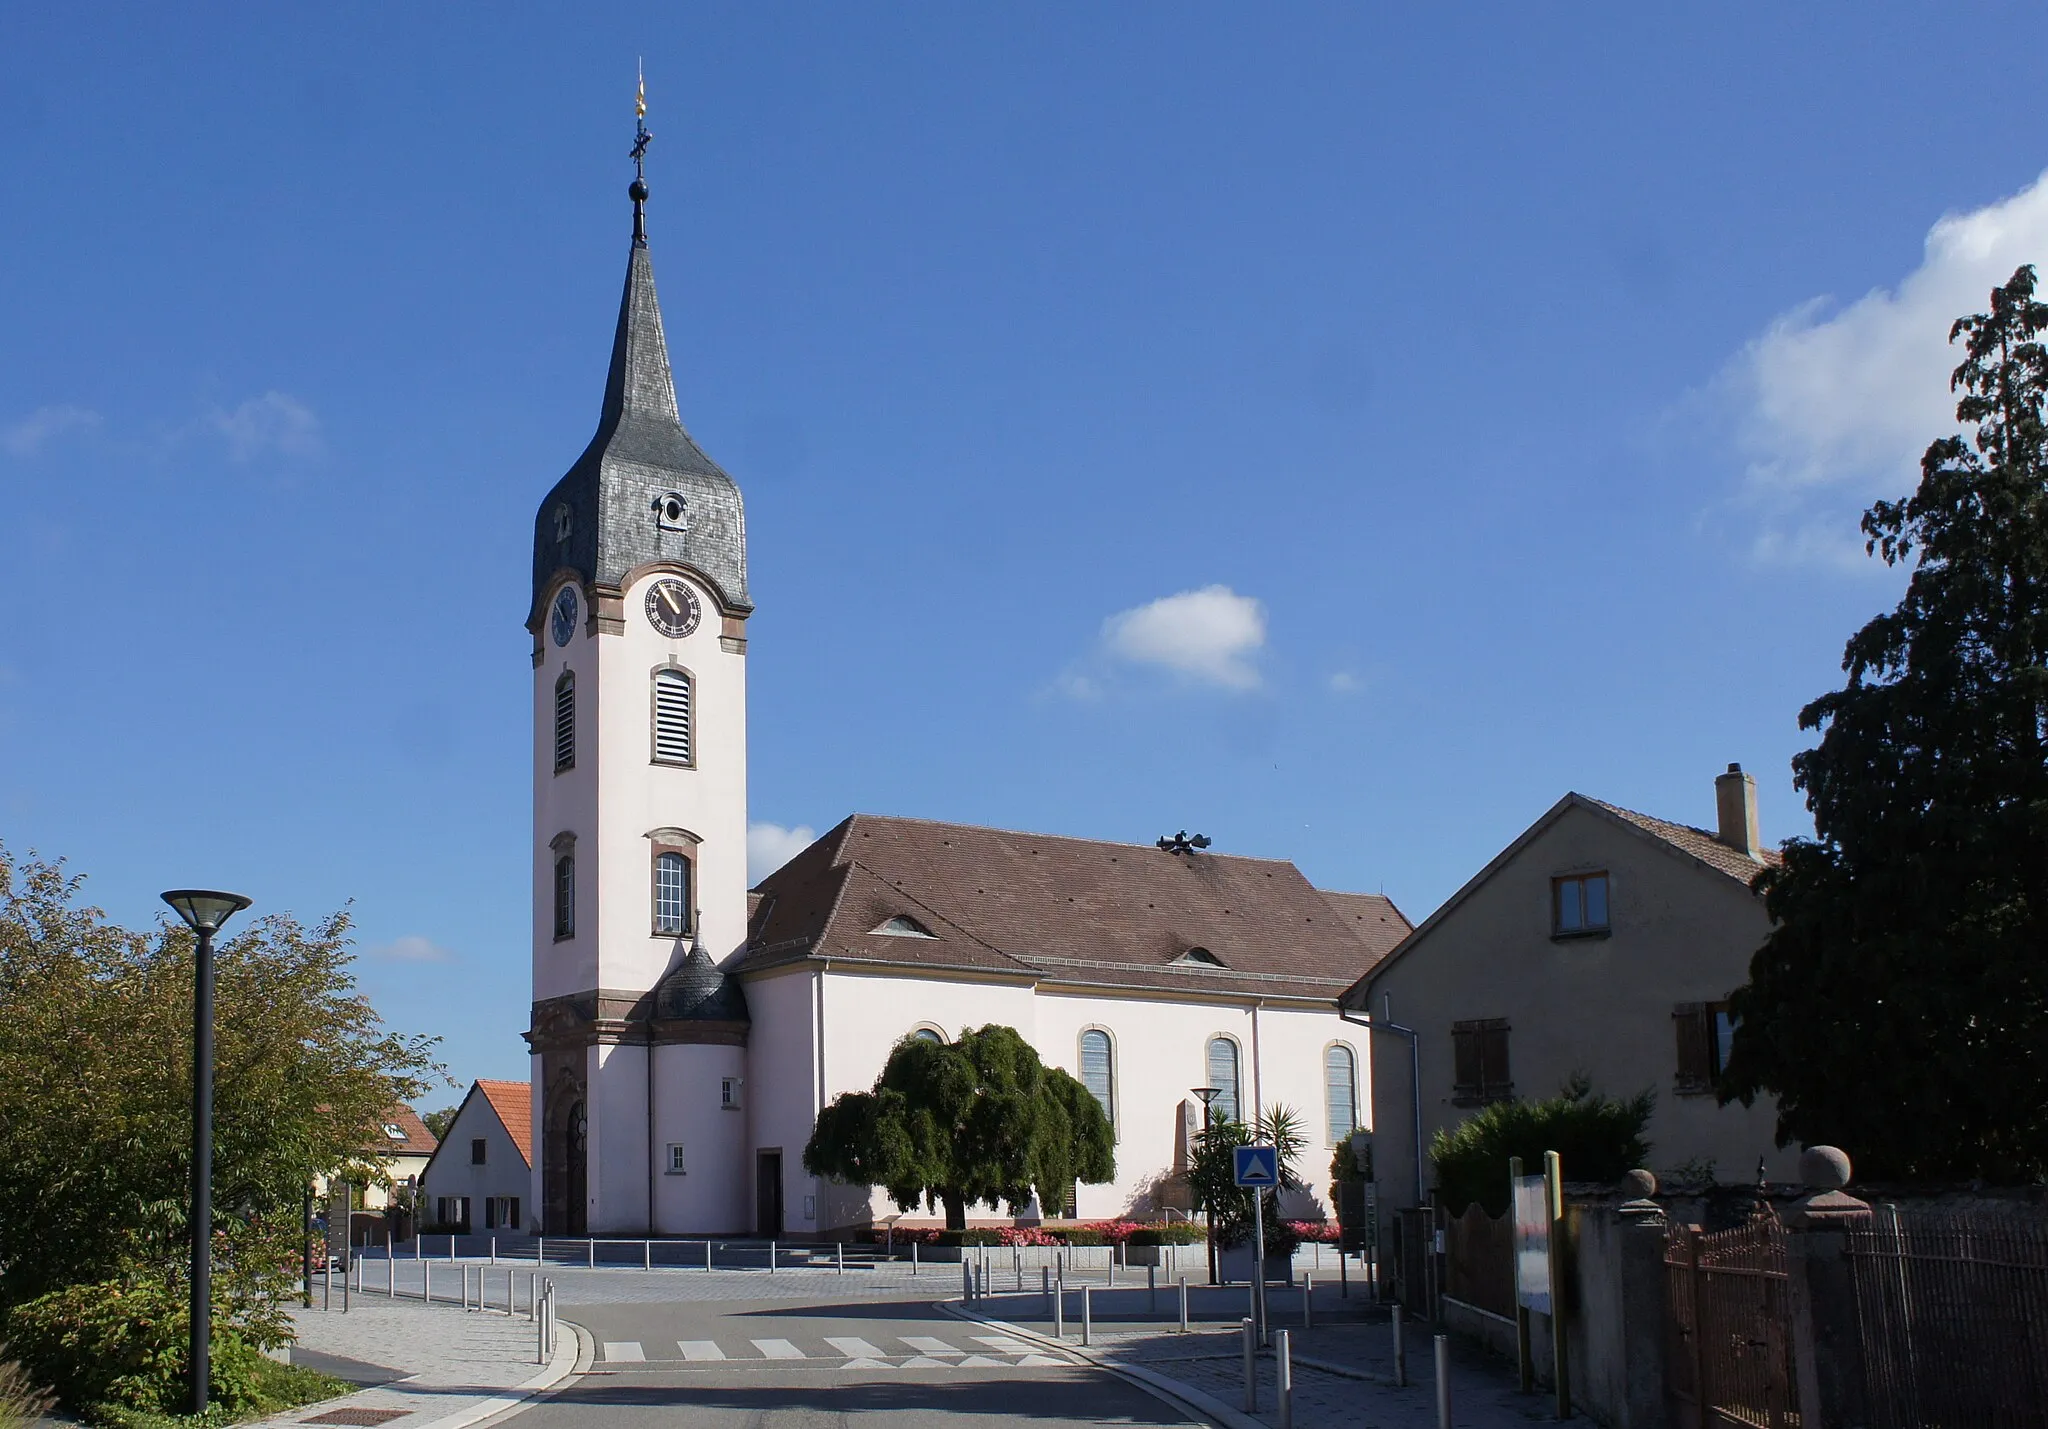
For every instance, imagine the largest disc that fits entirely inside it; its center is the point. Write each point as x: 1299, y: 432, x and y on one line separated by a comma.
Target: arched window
x: 565, y: 721
x: 1098, y: 1071
x: 565, y: 894
x: 928, y: 1034
x: 672, y: 734
x: 1223, y: 1077
x: 671, y: 894
x: 1340, y: 1083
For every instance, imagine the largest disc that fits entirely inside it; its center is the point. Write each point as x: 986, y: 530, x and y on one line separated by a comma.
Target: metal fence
x: 1479, y: 1260
x: 1953, y: 1313
x: 1729, y: 1340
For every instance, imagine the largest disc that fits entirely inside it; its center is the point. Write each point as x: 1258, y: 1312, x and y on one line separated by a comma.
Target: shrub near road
x: 95, y: 1130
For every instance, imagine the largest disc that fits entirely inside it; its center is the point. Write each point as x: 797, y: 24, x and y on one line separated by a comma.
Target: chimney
x: 1735, y: 802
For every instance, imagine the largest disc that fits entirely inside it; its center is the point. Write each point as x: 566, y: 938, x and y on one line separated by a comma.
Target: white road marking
x: 982, y: 1362
x: 924, y: 1362
x: 700, y: 1349
x: 1039, y: 1360
x: 927, y: 1345
x: 779, y: 1350
x: 1004, y: 1344
x: 623, y: 1350
x: 853, y: 1348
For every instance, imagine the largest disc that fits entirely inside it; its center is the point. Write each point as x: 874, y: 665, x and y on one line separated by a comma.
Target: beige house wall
x: 1680, y: 932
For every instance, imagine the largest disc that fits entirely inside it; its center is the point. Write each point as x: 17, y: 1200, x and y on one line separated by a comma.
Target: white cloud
x: 1208, y: 634
x: 274, y: 422
x: 1343, y: 682
x: 769, y: 846
x: 413, y: 948
x: 1854, y: 395
x: 27, y: 436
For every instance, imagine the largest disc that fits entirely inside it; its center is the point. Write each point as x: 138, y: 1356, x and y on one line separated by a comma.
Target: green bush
x: 979, y: 1235
x: 1596, y: 1138
x: 115, y: 1346
x: 1083, y: 1235
x: 1173, y: 1233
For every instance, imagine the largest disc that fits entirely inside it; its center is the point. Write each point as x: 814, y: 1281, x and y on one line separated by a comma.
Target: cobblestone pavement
x: 447, y: 1367
x: 1363, y: 1396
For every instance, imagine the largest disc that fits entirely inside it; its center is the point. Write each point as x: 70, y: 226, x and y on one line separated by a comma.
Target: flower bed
x: 1075, y: 1233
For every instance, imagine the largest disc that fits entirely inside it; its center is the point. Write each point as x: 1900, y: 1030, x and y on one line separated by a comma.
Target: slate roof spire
x: 605, y: 517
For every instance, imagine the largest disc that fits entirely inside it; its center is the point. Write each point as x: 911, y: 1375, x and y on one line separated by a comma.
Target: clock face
x: 565, y: 615
x: 672, y: 607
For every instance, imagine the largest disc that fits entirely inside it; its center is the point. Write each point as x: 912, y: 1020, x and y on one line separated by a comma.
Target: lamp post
x: 203, y: 912
x: 1208, y: 1095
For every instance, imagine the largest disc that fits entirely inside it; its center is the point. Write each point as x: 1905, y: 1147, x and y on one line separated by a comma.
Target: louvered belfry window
x: 565, y: 721
x: 1098, y: 1072
x: 672, y: 714
x: 671, y: 894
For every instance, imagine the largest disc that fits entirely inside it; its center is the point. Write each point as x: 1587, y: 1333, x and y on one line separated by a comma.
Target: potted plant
x: 1213, y: 1177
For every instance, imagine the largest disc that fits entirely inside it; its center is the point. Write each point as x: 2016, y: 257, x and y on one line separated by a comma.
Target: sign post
x: 1553, y: 1206
x: 1257, y: 1169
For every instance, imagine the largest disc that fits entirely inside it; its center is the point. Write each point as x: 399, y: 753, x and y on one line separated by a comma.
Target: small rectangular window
x: 1706, y: 1034
x: 675, y: 1158
x: 729, y: 1093
x: 1578, y: 905
x: 479, y: 1149
x: 1479, y: 1056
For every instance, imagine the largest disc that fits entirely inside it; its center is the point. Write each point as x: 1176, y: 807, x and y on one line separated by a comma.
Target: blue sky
x: 1339, y: 430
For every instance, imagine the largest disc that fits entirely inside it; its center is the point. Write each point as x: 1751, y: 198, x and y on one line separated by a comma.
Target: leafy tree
x: 977, y: 1119
x: 1899, y: 1008
x: 1596, y: 1138
x: 1212, y: 1176
x: 96, y: 1091
x: 438, y: 1122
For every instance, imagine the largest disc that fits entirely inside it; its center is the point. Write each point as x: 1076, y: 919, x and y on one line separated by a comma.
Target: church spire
x: 637, y: 190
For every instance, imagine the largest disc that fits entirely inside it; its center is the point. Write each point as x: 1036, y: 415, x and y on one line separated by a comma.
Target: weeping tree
x: 1899, y: 1007
x: 980, y: 1118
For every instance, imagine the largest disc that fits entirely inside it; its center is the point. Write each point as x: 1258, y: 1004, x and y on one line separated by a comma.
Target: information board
x: 1532, y: 1244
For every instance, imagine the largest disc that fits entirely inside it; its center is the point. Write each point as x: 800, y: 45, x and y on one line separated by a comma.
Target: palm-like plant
x: 1213, y: 1176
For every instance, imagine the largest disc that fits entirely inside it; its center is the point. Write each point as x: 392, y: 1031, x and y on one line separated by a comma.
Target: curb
x: 573, y: 1355
x: 1184, y: 1397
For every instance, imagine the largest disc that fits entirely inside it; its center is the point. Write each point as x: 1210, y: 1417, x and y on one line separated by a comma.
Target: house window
x: 1223, y: 1077
x: 1480, y: 1062
x: 453, y: 1212
x: 928, y: 1034
x: 1098, y: 1071
x: 671, y: 894
x: 675, y: 1158
x: 565, y: 895
x: 729, y: 1092
x: 479, y: 1150
x: 565, y: 721
x: 1578, y: 904
x: 672, y: 716
x: 501, y: 1213
x: 1706, y: 1033
x: 394, y: 1131
x: 1340, y: 1086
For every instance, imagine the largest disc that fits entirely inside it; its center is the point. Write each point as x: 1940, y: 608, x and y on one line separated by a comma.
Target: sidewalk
x: 1343, y: 1374
x: 437, y: 1365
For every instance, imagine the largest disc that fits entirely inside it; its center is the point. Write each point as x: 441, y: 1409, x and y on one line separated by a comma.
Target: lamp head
x: 203, y: 909
x: 1207, y: 1094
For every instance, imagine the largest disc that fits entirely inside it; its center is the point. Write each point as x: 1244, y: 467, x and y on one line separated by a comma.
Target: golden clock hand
x: 668, y: 595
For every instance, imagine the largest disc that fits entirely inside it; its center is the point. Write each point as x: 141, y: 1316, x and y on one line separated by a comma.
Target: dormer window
x: 903, y: 926
x: 393, y: 1130
x: 1200, y: 957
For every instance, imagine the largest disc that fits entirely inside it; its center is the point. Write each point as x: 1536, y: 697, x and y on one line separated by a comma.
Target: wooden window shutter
x: 1694, y: 1025
x: 1465, y: 1074
x: 1493, y: 1061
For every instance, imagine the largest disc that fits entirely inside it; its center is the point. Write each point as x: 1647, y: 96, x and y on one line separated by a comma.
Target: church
x: 686, y: 1029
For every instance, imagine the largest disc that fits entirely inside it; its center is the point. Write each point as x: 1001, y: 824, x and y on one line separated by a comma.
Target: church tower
x: 638, y: 619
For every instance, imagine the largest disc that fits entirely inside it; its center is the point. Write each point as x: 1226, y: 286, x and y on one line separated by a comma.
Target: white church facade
x: 686, y: 1030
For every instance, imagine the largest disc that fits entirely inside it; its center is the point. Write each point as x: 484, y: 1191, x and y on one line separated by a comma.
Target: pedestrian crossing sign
x: 1258, y: 1166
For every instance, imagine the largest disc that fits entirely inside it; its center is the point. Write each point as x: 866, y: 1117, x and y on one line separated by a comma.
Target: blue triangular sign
x: 1257, y: 1166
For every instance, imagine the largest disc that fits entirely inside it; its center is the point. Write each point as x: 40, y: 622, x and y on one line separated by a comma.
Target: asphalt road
x: 804, y: 1364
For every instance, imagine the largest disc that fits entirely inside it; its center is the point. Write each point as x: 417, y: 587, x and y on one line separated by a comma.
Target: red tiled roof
x: 1699, y: 843
x: 1373, y: 920
x: 513, y: 1102
x: 1049, y: 908
x: 417, y: 1140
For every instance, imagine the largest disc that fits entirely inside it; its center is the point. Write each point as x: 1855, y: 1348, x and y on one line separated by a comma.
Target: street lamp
x: 203, y: 912
x: 1208, y: 1095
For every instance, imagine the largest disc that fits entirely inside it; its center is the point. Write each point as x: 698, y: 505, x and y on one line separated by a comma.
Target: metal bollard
x: 533, y: 1294
x: 494, y: 1250
x: 426, y: 1282
x: 913, y: 1257
x: 707, y: 1255
x: 540, y: 1249
x: 1183, y: 1304
x: 771, y: 1257
x: 1283, y: 1377
x: 327, y: 1282
x: 1059, y: 1310
x: 593, y: 1253
x: 1087, y: 1312
x: 1045, y: 1286
x: 839, y: 1256
x: 647, y: 1255
x: 1443, y: 1382
x: 1308, y: 1300
x: 966, y: 1282
x: 1251, y: 1368
x: 1151, y: 1289
x: 390, y: 1275
x: 1343, y: 1275
x: 1400, y: 1353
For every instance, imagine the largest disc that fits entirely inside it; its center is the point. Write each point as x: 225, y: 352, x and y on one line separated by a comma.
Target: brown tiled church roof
x: 1044, y: 908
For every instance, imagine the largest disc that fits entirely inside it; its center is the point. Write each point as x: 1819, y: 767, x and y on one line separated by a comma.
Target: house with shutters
x: 480, y: 1178
x: 1601, y: 942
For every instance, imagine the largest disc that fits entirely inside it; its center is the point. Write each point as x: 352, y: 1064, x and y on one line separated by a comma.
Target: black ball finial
x: 637, y: 191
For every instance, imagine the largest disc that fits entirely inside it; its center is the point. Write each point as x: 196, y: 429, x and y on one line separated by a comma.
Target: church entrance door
x: 576, y: 1169
x: 768, y: 1193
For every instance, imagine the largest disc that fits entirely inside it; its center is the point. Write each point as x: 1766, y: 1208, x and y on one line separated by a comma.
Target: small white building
x: 684, y: 1037
x: 480, y: 1177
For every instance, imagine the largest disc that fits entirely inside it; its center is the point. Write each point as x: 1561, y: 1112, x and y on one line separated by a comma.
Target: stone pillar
x: 1643, y: 1311
x: 1827, y: 1348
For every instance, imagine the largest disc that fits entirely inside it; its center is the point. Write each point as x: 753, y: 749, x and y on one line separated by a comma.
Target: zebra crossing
x: 846, y: 1352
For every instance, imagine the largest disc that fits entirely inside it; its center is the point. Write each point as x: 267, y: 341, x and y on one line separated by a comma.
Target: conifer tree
x: 1899, y: 1008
